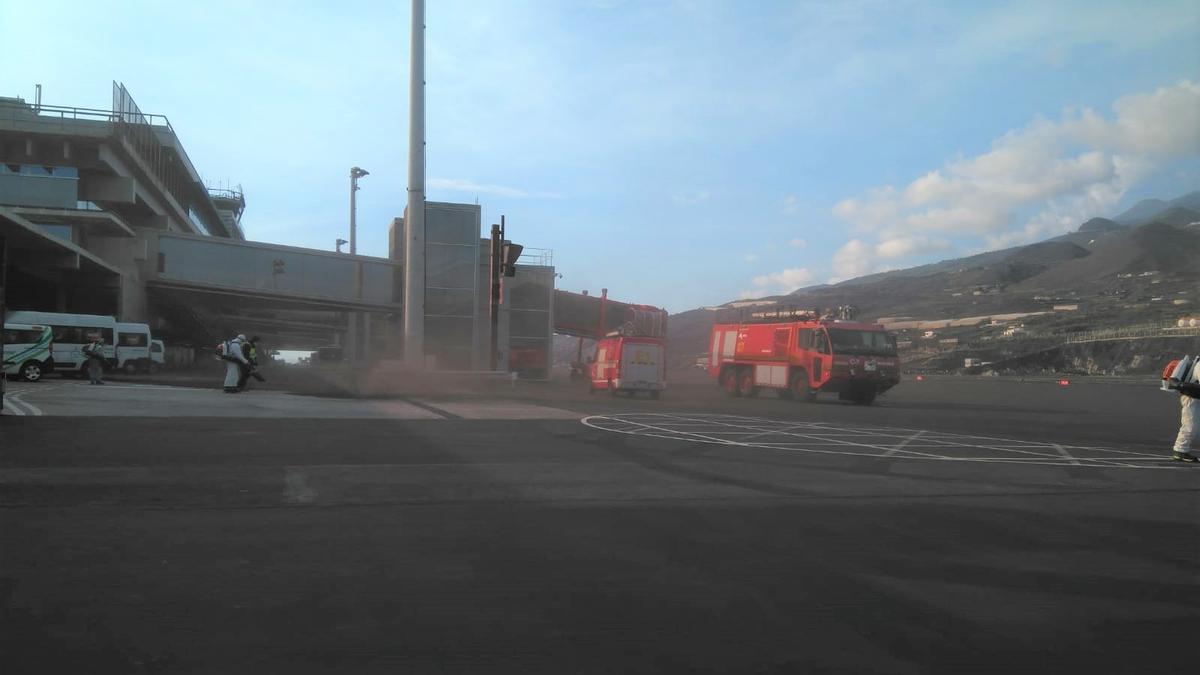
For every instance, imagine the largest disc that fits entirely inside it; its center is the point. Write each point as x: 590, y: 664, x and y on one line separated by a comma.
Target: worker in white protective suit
x: 235, y: 363
x: 1185, y: 378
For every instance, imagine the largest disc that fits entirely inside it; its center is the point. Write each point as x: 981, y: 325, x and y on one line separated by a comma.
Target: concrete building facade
x: 103, y: 212
x: 96, y: 185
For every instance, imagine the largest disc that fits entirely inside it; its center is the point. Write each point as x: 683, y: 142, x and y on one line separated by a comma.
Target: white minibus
x: 71, y: 333
x: 133, y: 347
x: 27, y: 351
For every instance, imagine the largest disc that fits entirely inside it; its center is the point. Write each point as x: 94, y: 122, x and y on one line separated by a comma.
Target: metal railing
x: 230, y: 193
x: 537, y: 256
x: 1143, y: 331
x: 138, y: 130
x: 55, y: 116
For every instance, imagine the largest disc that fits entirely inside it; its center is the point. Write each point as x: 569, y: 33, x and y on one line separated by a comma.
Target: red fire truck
x: 800, y: 355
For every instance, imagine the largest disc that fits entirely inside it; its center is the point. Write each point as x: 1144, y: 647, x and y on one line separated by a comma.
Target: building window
x: 41, y: 170
x: 133, y: 340
x: 63, y: 232
x: 195, y: 218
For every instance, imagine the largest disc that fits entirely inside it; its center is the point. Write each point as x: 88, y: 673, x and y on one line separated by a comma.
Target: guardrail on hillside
x: 1143, y: 331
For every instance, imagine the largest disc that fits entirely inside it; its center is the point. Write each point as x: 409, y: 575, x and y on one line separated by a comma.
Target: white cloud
x: 853, y: 259
x: 797, y: 242
x: 750, y: 257
x: 469, y: 186
x: 1164, y: 123
x: 791, y: 205
x: 779, y: 283
x: 1037, y: 181
x: 903, y: 247
x: 690, y: 198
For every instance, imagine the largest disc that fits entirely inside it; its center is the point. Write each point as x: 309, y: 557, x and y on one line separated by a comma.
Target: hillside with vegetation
x: 1138, y: 271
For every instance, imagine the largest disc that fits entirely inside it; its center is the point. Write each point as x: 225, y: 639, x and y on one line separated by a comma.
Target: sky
x: 679, y: 153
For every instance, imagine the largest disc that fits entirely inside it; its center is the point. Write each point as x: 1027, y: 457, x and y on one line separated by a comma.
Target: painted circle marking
x: 879, y: 442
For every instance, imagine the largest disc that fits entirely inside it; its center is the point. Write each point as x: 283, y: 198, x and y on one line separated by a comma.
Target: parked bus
x: 133, y: 347
x: 71, y: 333
x: 28, y: 351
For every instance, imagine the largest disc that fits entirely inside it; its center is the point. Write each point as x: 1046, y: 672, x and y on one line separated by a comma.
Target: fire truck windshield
x: 850, y: 341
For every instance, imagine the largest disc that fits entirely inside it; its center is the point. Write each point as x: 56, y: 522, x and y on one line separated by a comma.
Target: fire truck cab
x: 800, y: 355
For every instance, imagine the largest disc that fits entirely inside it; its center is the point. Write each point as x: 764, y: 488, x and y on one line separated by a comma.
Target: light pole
x: 414, y: 215
x: 355, y: 174
x: 357, y: 319
x: 339, y: 243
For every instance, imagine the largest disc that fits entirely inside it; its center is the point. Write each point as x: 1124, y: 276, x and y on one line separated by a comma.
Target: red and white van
x: 628, y: 365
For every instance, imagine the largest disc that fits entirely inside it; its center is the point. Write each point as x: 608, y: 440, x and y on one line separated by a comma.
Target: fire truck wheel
x: 729, y: 380
x: 800, y: 388
x: 865, y: 397
x: 746, y: 384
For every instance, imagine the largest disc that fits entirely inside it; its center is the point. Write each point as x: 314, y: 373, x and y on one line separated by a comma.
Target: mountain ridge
x: 1100, y: 267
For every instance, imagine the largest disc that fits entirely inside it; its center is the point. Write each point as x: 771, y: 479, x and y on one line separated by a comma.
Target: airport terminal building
x: 103, y: 212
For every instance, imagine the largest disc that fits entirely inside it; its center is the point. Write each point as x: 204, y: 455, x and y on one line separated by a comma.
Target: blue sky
x: 678, y: 153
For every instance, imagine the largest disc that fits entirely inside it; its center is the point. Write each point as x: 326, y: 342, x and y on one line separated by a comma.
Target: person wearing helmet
x: 1184, y: 376
x: 250, y: 351
x: 235, y: 363
x: 94, y: 351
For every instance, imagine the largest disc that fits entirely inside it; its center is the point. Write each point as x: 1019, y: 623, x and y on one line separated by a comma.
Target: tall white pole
x: 414, y: 221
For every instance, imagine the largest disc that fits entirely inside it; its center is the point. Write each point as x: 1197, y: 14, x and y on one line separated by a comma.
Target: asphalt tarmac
x: 957, y: 526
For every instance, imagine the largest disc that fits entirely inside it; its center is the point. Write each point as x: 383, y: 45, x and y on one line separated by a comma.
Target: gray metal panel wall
x: 46, y: 191
x: 451, y: 283
x: 528, y: 304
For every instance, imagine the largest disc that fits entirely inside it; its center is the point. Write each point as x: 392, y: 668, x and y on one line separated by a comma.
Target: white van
x: 158, y: 356
x: 133, y: 347
x: 71, y: 333
x: 28, y: 351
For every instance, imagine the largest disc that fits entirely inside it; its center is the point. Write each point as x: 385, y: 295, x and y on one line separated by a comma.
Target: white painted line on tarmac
x: 659, y: 425
x: 12, y: 407
x: 903, y: 443
x: 805, y: 436
x: 36, y: 411
x: 21, y: 406
x: 1064, y: 453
